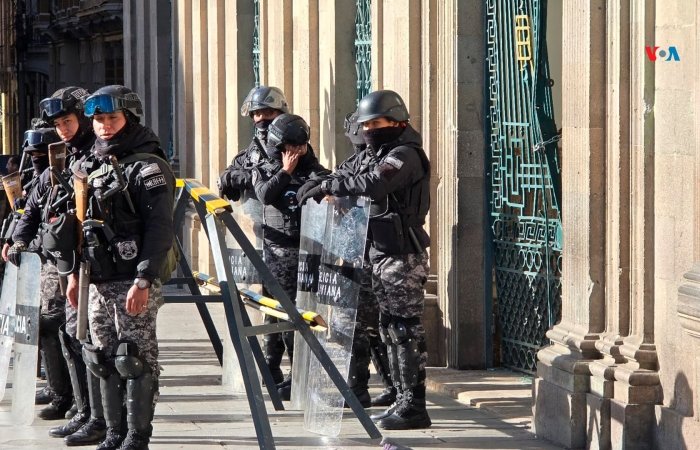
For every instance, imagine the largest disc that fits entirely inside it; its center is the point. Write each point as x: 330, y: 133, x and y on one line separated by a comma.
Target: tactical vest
x: 396, y: 223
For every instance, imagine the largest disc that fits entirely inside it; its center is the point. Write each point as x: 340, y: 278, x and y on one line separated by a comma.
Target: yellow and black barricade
x: 214, y: 212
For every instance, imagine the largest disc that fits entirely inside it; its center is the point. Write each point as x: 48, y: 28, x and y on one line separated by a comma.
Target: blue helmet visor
x: 103, y: 104
x: 32, y: 138
x: 51, y: 107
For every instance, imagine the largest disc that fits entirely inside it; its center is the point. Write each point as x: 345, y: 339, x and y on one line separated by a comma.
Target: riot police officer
x: 64, y: 109
x: 263, y: 104
x: 26, y: 237
x: 366, y: 344
x: 291, y: 162
x: 128, y: 241
x: 398, y: 182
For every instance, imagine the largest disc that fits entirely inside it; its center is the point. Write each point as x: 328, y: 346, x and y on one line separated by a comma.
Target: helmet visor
x: 32, y: 138
x: 51, y: 107
x: 103, y: 104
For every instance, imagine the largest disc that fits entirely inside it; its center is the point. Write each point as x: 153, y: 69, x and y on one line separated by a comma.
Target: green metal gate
x: 525, y: 180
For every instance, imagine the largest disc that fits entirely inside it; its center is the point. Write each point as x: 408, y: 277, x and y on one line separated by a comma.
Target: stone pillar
x: 216, y: 113
x: 147, y: 64
x: 305, y: 64
x: 637, y: 387
x: 617, y: 237
x: 277, y: 54
x: 336, y: 78
x: 182, y: 73
x: 563, y: 369
x: 464, y: 281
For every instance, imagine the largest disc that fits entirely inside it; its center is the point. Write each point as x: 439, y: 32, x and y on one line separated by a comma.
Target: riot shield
x: 248, y: 214
x: 313, y: 226
x: 8, y: 299
x: 26, y: 348
x: 338, y: 288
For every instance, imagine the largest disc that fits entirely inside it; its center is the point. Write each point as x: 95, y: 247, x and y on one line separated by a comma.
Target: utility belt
x: 111, y: 257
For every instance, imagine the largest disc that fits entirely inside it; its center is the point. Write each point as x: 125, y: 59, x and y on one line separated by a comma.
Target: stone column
x: 277, y: 54
x: 637, y: 387
x: 617, y: 236
x: 563, y: 368
x: 147, y: 65
x: 216, y: 113
x: 464, y: 279
x: 182, y: 73
x: 336, y: 78
x: 305, y: 64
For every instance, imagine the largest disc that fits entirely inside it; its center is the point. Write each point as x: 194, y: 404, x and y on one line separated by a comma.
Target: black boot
x: 284, y: 389
x: 274, y: 350
x: 72, y: 411
x: 410, y: 414
x: 95, y: 429
x: 112, y: 402
x: 72, y: 354
x: 358, y: 375
x: 392, y: 359
x: 381, y: 364
x: 139, y: 392
x: 57, y: 377
x: 407, y: 350
x: 44, y: 396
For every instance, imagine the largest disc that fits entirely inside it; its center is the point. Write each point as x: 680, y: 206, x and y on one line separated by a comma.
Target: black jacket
x: 237, y: 180
x: 142, y: 235
x: 276, y: 189
x: 397, y: 179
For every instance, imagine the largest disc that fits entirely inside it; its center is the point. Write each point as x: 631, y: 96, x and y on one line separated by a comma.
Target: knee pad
x: 128, y: 362
x: 48, y: 325
x: 96, y: 360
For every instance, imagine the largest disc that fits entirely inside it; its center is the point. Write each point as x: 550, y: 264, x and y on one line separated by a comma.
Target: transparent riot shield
x: 338, y: 288
x: 248, y: 214
x: 8, y: 299
x: 313, y: 227
x: 26, y: 345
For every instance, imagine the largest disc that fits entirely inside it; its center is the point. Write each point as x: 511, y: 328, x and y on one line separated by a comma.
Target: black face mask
x: 261, y: 130
x: 377, y: 137
x: 40, y: 163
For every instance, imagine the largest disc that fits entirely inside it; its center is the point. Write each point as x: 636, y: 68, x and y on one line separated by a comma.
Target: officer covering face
x: 127, y: 242
x: 394, y: 172
x: 291, y: 162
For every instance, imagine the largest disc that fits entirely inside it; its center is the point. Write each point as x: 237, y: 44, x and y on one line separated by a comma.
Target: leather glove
x: 15, y: 252
x: 306, y: 187
x: 316, y: 193
x: 231, y: 183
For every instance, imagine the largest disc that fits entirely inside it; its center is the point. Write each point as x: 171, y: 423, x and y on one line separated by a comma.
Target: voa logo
x: 663, y: 54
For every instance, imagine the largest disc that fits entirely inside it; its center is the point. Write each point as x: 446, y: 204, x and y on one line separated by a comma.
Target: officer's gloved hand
x: 20, y: 203
x: 15, y: 252
x: 306, y: 187
x: 316, y: 193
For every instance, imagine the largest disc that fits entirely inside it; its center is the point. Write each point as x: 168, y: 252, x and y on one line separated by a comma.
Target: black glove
x: 316, y: 193
x: 15, y: 252
x: 232, y: 182
x: 306, y: 187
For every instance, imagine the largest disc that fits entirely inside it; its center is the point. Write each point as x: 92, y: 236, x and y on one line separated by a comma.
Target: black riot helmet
x: 115, y: 97
x: 378, y: 104
x: 62, y: 102
x: 38, y: 139
x: 262, y: 97
x: 286, y: 129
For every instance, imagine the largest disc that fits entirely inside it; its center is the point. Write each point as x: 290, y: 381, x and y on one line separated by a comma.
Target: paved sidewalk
x: 195, y: 413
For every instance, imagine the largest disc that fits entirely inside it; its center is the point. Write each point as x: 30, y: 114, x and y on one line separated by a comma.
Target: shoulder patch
x: 396, y: 162
x: 150, y: 169
x: 154, y: 182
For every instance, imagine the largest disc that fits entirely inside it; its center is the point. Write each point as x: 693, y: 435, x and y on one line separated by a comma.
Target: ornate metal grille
x: 363, y: 47
x: 256, y: 41
x: 525, y: 180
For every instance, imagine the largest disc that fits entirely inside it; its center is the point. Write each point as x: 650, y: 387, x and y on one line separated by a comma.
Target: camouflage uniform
x: 52, y: 302
x: 110, y: 323
x: 283, y: 262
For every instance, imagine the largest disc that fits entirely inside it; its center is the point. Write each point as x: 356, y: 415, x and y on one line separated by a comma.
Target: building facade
x: 619, y: 367
x: 48, y: 44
